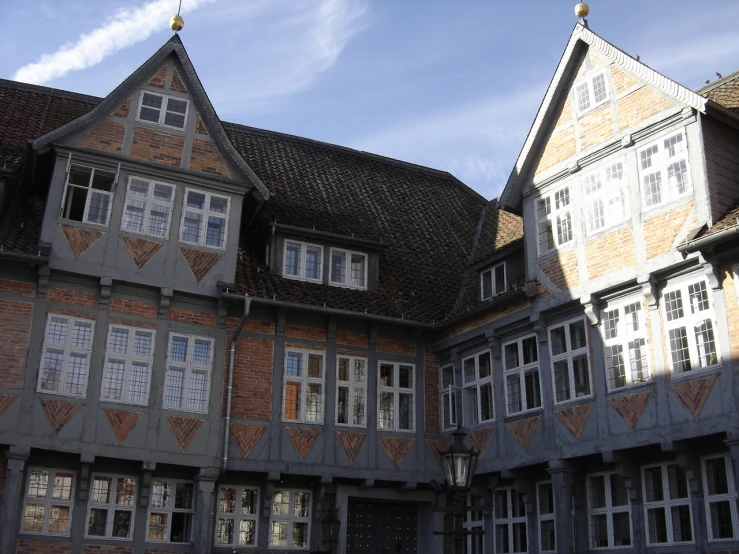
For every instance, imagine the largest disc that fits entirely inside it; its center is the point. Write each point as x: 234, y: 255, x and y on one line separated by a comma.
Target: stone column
x: 12, y: 495
x: 204, y: 503
x: 563, y: 488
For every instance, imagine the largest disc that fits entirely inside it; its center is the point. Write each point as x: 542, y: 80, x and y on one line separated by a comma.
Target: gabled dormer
x: 147, y: 187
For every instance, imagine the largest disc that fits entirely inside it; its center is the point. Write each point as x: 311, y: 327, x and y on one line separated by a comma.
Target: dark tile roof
x: 20, y: 224
x: 725, y: 91
x: 499, y: 229
x: 729, y: 219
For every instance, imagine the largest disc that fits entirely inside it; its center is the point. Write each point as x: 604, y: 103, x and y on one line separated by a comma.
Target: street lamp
x: 330, y: 529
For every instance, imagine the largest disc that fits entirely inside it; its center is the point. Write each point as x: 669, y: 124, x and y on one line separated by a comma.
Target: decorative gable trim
x: 396, y: 448
x: 122, y: 422
x: 59, y: 412
x: 184, y: 430
x: 246, y: 437
x: 303, y: 439
x: 352, y: 443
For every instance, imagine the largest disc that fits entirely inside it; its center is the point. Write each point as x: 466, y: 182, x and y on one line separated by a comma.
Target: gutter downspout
x: 229, y: 387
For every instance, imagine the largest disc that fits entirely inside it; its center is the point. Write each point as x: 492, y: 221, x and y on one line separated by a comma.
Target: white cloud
x: 125, y: 28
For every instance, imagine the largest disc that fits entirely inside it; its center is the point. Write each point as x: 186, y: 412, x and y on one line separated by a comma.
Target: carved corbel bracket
x: 281, y: 323
x: 268, y: 491
x: 165, y: 298
x: 689, y: 462
x: 493, y: 342
x: 145, y: 489
x: 713, y: 274
x: 539, y: 323
x: 333, y: 324
x: 649, y: 289
x: 84, y: 485
x: 222, y: 312
x: 373, y: 334
x: 106, y: 284
x: 592, y: 309
x: 43, y: 281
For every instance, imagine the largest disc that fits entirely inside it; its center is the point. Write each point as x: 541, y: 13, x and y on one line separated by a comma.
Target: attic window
x: 591, y: 92
x: 88, y: 194
x: 163, y: 110
x: 493, y: 281
x: 348, y: 269
x: 302, y: 261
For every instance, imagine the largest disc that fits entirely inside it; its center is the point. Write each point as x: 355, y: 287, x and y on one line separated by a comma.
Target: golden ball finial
x: 582, y: 10
x: 176, y: 23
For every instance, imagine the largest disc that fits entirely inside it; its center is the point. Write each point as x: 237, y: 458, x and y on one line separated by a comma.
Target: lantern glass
x: 330, y: 527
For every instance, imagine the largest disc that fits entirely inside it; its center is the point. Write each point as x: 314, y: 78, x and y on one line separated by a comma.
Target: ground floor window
x: 47, y: 507
x: 667, y: 504
x: 509, y: 512
x: 609, y: 512
x: 546, y: 517
x: 289, y: 524
x: 238, y: 514
x: 171, y: 506
x: 112, y: 506
x: 720, y: 495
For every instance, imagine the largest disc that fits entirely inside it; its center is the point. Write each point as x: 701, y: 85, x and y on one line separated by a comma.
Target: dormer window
x: 163, y: 110
x: 204, y: 219
x: 591, y: 92
x: 492, y: 281
x: 302, y: 261
x: 88, y: 194
x: 348, y: 269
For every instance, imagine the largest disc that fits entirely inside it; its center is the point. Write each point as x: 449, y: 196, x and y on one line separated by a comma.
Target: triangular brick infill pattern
x: 480, y: 438
x: 631, y: 407
x: 5, y: 401
x: 303, y: 439
x: 397, y: 448
x: 177, y: 83
x: 246, y: 437
x: 122, y: 422
x: 438, y: 446
x: 79, y: 240
x: 200, y: 262
x: 352, y: 443
x: 140, y: 250
x: 59, y: 412
x: 574, y: 419
x: 184, y: 429
x: 693, y: 394
x: 524, y: 430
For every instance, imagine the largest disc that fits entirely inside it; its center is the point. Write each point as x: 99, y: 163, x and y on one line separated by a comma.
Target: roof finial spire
x: 582, y: 10
x: 177, y: 23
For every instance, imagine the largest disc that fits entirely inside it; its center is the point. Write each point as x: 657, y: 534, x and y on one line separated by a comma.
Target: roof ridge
x: 41, y: 89
x: 718, y: 82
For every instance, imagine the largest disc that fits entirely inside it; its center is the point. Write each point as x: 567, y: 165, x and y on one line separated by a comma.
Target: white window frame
x: 149, y: 201
x: 592, y: 102
x: 660, y: 162
x: 304, y: 380
x: 237, y: 517
x: 205, y: 213
x: 609, y: 511
x: 730, y: 497
x: 522, y: 370
x: 291, y: 519
x: 605, y: 193
x: 107, y: 193
x: 355, y: 387
x: 68, y: 350
x: 170, y: 510
x: 569, y: 355
x: 625, y: 335
x: 475, y: 520
x: 666, y: 504
x: 163, y: 110
x: 542, y: 517
x: 448, y: 398
x: 493, y: 281
x: 128, y: 358
x: 689, y: 321
x: 474, y: 387
x: 111, y: 507
x: 396, y: 390
x: 301, y: 269
x: 551, y: 211
x: 348, y: 281
x: 48, y: 501
x: 509, y: 521
x: 188, y: 368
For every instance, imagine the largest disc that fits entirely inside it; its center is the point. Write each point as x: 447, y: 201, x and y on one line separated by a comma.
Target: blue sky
x: 452, y: 84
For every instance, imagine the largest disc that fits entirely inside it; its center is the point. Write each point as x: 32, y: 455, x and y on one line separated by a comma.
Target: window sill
x: 350, y: 426
x: 630, y: 387
x: 404, y: 431
x: 299, y: 422
x: 342, y: 286
x: 213, y: 249
x: 523, y: 415
x: 84, y: 224
x: 182, y: 411
x: 591, y: 109
x: 124, y: 403
x: 659, y: 209
x: 161, y: 127
x: 713, y: 369
x: 556, y: 252
x: 579, y: 401
x: 144, y: 236
x: 53, y: 393
x: 303, y: 279
x: 600, y: 233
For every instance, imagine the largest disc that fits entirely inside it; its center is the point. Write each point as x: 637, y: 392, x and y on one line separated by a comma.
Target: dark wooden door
x: 381, y: 527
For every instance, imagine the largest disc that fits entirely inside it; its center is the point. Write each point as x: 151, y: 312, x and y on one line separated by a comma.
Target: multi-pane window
x: 609, y: 512
x: 110, y: 513
x: 625, y: 337
x: 606, y: 197
x: 522, y: 384
x: 47, y: 505
x: 187, y: 383
x: 554, y: 220
x: 348, y: 269
x: 395, y: 397
x: 148, y: 208
x: 474, y: 523
x: 545, y: 516
x: 289, y: 525
x: 163, y: 110
x: 664, y: 170
x: 667, y: 504
x: 509, y: 511
x: 303, y: 392
x: 477, y: 376
x: 448, y: 398
x: 204, y: 219
x: 88, y: 194
x: 238, y: 516
x: 171, y: 507
x: 128, y: 360
x: 493, y: 281
x: 720, y: 495
x: 689, y: 326
x: 351, y: 391
x: 570, y: 360
x: 591, y: 92
x: 303, y: 261
x: 66, y: 359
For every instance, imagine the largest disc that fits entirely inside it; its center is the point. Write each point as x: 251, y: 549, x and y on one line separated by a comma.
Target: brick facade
x: 560, y: 146
x: 309, y: 333
x: 622, y: 80
x: 79, y: 240
x: 18, y: 287
x: 431, y: 383
x: 133, y: 307
x: 351, y: 339
x: 204, y: 157
x: 106, y: 549
x: 160, y: 79
x: 154, y: 145
x: 31, y: 546
x: 732, y: 312
x: 561, y: 270
x: 123, y: 110
x: 595, y: 127
x: 192, y: 318
x: 15, y: 333
x: 640, y: 105
x: 108, y: 137
x: 140, y: 250
x: 200, y: 262
x: 177, y: 84
x: 661, y: 230
x: 251, y: 396
x: 73, y: 297
x: 610, y: 253
x: 394, y: 346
